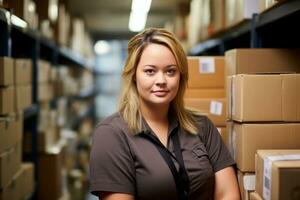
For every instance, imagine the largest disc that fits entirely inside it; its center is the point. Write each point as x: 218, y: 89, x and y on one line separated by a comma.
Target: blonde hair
x: 129, y: 98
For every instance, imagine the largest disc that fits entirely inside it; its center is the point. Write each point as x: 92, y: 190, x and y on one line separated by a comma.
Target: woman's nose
x: 161, y: 79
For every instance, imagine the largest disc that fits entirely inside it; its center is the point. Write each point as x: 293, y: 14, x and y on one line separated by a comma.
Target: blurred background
x: 60, y: 74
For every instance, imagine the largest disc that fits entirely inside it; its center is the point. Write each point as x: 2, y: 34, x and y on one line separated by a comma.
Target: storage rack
x: 20, y: 42
x: 274, y: 28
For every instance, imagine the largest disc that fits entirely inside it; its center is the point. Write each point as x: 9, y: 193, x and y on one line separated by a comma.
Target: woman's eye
x: 171, y: 71
x: 149, y: 71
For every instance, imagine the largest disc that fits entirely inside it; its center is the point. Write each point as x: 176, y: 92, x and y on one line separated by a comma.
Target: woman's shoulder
x: 113, y: 123
x: 199, y: 117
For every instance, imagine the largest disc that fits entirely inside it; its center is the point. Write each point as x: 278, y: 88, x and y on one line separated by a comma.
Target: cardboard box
x: 23, y: 97
x: 246, y: 184
x: 238, y: 10
x: 10, y: 163
x: 44, y: 69
x: 7, y: 98
x: 11, y: 131
x: 204, y: 93
x: 278, y: 174
x: 13, y: 190
x: 27, y: 180
x: 50, y: 176
x: 206, y: 72
x: 6, y: 71
x: 46, y: 140
x: 261, y: 97
x: 247, y: 138
x: 63, y: 26
x: 213, y: 108
x: 218, y: 15
x: 45, y: 92
x: 248, y: 61
x: 23, y: 71
x: 255, y: 196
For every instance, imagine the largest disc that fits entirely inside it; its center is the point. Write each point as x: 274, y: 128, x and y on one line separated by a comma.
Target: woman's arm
x: 226, y: 186
x: 115, y: 196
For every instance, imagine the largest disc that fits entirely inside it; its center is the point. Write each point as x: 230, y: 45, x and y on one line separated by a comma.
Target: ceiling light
x: 138, y: 15
x: 142, y: 6
x: 137, y: 21
x: 102, y: 47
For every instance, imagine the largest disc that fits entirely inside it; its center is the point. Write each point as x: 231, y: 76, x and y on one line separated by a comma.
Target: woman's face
x: 157, y: 76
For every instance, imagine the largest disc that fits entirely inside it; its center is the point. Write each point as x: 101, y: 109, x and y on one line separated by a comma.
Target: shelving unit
x: 274, y: 28
x: 22, y: 42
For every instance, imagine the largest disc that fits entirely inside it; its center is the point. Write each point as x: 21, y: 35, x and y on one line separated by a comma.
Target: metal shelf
x: 71, y: 57
x: 252, y: 33
x: 279, y: 12
x: 31, y: 111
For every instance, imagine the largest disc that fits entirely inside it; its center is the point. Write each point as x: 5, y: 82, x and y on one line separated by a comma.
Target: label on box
x: 207, y: 66
x: 219, y: 129
x: 267, y: 178
x: 249, y: 182
x: 216, y: 107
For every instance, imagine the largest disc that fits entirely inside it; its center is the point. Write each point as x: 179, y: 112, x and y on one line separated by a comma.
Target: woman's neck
x: 154, y: 113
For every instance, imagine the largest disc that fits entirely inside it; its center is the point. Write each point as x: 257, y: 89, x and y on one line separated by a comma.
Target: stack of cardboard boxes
x: 206, y: 91
x: 13, y: 173
x: 263, y: 108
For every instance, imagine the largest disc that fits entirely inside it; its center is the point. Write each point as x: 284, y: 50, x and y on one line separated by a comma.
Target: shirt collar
x: 173, y: 124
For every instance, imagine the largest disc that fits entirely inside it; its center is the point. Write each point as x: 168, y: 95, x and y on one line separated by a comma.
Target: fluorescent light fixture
x: 18, y: 21
x: 142, y: 6
x: 137, y: 21
x: 102, y: 47
x: 138, y: 15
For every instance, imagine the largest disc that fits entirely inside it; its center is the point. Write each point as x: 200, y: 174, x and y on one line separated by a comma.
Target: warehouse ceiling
x: 108, y: 19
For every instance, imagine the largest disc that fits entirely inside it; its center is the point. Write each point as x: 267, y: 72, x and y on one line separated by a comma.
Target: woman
x: 154, y: 148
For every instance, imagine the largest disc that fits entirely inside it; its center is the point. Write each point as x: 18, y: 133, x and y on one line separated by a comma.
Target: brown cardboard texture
x: 281, y: 171
x: 246, y: 184
x: 247, y: 138
x: 27, y: 179
x: 206, y: 72
x: 10, y: 132
x: 6, y: 71
x: 229, y: 97
x: 44, y: 69
x: 245, y: 61
x: 23, y: 97
x: 213, y: 108
x: 255, y: 196
x: 7, y: 98
x: 50, y: 173
x: 10, y: 163
x: 204, y: 93
x: 23, y: 71
x: 12, y: 191
x: 272, y: 97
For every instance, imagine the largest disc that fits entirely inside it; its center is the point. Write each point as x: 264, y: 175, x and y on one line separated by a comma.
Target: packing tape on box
x: 207, y: 66
x: 267, y: 178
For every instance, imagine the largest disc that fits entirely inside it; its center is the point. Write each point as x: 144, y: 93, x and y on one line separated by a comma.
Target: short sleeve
x: 111, y: 162
x: 218, y: 153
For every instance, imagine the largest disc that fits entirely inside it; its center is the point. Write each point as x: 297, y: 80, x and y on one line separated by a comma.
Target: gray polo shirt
x: 128, y: 163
